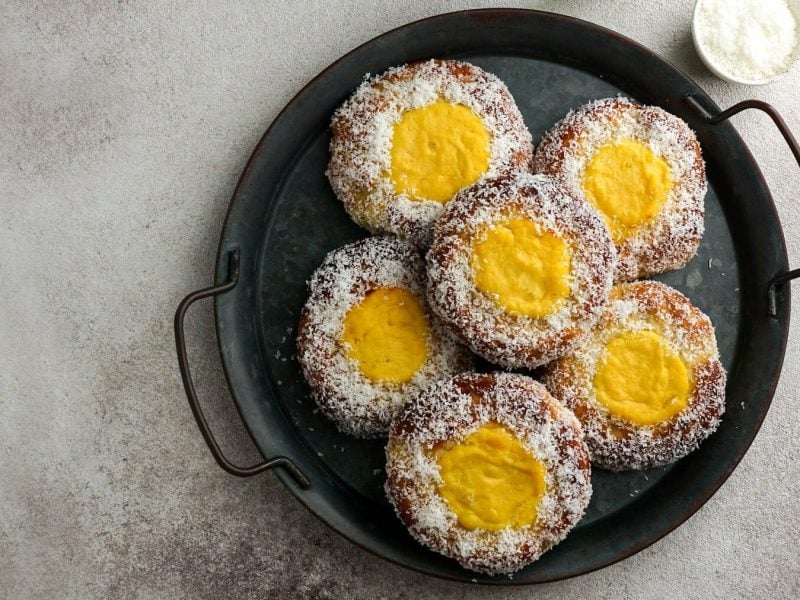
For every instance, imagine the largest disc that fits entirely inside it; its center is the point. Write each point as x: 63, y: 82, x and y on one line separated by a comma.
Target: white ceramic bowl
x: 794, y: 6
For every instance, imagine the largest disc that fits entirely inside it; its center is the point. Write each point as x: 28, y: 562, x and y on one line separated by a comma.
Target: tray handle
x: 695, y: 105
x: 183, y: 363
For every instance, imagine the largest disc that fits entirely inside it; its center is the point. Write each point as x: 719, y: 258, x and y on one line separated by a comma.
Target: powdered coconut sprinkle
x: 482, y: 324
x: 356, y: 404
x: 620, y: 445
x: 450, y: 411
x: 362, y: 140
x: 671, y: 238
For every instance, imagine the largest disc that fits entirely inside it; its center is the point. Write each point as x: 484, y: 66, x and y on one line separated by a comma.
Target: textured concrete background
x: 123, y: 128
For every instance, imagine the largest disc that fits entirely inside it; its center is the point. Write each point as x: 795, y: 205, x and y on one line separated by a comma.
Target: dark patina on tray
x: 284, y: 218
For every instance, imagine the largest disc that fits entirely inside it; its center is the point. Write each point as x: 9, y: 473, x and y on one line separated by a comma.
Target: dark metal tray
x: 283, y: 219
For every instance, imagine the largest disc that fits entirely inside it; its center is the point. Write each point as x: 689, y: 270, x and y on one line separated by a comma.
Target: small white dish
x: 794, y: 6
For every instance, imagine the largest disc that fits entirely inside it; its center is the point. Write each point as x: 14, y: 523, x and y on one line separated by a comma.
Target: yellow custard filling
x: 628, y: 184
x: 437, y: 150
x: 386, y: 335
x: 522, y: 267
x: 640, y: 379
x: 490, y: 480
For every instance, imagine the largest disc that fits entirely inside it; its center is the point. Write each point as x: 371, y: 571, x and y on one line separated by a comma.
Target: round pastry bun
x: 478, y: 320
x: 670, y: 238
x: 361, y: 145
x: 449, y: 411
x: 618, y: 443
x: 357, y: 404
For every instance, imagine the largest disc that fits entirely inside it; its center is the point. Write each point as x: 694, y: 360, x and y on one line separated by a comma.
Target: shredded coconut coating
x: 452, y: 410
x: 362, y: 140
x: 483, y: 325
x: 671, y: 238
x: 356, y: 404
x: 620, y: 445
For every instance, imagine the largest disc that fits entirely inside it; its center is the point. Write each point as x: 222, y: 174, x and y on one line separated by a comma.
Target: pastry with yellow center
x: 488, y: 469
x: 408, y: 140
x: 520, y: 268
x: 647, y: 385
x: 642, y: 169
x: 367, y: 341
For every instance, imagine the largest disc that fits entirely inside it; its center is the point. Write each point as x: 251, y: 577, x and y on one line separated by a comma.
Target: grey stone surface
x: 123, y: 128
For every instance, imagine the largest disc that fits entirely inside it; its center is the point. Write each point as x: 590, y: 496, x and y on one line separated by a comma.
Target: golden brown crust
x: 361, y: 142
x: 672, y: 237
x: 519, y: 341
x: 620, y: 445
x: 449, y: 411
